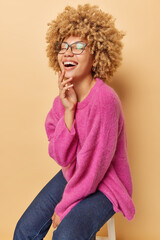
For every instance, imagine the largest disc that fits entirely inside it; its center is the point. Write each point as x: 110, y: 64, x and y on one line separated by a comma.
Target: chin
x: 69, y: 74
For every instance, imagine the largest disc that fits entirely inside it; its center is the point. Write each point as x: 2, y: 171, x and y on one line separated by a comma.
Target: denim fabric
x: 81, y: 223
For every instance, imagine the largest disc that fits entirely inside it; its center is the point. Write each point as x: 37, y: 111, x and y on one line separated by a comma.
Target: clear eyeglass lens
x: 62, y: 47
x: 77, y: 48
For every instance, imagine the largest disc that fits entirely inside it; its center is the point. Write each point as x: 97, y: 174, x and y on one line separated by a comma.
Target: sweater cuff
x: 59, y: 215
x: 62, y: 215
x: 61, y: 212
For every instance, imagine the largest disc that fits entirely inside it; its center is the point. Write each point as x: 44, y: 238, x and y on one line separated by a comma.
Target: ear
x: 94, y: 63
x: 93, y: 68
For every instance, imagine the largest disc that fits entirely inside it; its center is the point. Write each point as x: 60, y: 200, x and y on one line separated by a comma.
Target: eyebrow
x: 74, y: 42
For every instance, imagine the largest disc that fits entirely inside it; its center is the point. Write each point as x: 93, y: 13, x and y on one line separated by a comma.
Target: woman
x: 86, y: 132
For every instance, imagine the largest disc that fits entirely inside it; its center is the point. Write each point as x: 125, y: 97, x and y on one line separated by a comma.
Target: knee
x: 20, y: 232
x: 23, y: 229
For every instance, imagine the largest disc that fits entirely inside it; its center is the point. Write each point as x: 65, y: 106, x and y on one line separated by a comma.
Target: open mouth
x: 70, y: 65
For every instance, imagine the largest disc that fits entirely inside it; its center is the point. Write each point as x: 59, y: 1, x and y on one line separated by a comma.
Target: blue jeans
x: 81, y: 223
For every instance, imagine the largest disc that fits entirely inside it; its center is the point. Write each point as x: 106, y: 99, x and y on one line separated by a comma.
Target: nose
x: 68, y: 52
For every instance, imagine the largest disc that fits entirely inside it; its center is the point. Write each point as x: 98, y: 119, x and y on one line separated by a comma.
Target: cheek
x: 86, y: 59
x: 88, y: 63
x: 89, y: 59
x: 59, y: 61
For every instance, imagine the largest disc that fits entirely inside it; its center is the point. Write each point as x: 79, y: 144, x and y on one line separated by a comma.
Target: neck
x: 83, y: 86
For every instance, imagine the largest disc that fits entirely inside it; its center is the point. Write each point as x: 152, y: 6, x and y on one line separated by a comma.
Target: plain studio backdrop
x: 28, y: 88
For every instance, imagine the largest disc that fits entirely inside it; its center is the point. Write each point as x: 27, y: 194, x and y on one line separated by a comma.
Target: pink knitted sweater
x: 93, y: 154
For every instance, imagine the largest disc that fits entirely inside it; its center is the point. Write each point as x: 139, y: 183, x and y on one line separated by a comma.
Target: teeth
x: 70, y: 63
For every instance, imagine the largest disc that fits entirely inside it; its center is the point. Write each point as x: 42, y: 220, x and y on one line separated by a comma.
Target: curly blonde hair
x: 98, y: 28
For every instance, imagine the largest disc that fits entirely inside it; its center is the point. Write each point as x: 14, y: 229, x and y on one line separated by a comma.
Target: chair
x: 111, y: 231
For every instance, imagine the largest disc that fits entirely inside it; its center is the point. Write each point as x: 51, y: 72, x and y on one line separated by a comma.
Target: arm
x: 94, y: 158
x: 69, y: 118
x: 62, y: 141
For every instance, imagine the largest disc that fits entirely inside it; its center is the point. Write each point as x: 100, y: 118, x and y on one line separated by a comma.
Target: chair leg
x: 111, y: 229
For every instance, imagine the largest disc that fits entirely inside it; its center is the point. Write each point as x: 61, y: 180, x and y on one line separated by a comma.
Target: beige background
x: 28, y: 88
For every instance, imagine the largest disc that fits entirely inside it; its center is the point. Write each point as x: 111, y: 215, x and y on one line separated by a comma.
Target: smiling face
x: 76, y: 66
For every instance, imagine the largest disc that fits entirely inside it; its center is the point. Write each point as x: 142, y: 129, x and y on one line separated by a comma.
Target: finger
x: 66, y: 81
x: 53, y: 215
x: 67, y: 87
x: 53, y: 221
x: 55, y: 224
x: 63, y: 91
x: 60, y: 77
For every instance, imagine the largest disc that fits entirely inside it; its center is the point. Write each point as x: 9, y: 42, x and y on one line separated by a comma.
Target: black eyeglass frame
x: 70, y: 45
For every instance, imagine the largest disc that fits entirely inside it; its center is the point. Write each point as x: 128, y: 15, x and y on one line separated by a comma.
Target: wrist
x: 69, y: 117
x: 71, y: 109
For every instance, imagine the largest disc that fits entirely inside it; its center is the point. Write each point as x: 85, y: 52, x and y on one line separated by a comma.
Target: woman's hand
x: 67, y: 93
x: 55, y: 220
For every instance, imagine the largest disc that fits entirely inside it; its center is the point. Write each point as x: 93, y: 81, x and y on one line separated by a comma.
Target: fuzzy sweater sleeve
x: 62, y: 142
x: 95, y: 156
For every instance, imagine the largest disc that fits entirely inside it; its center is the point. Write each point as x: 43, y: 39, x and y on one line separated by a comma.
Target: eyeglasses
x: 76, y: 47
